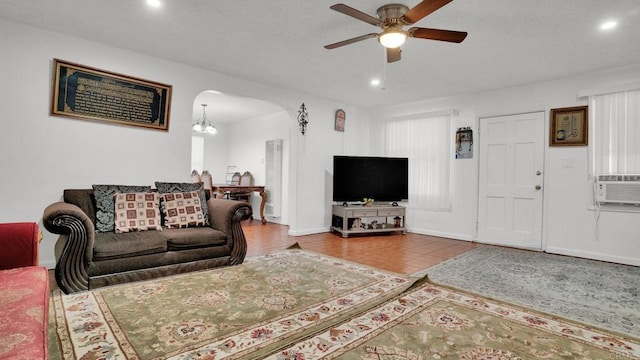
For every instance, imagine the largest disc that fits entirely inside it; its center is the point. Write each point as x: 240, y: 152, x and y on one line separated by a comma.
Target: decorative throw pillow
x: 105, y: 203
x: 171, y: 187
x: 137, y: 212
x: 182, y: 210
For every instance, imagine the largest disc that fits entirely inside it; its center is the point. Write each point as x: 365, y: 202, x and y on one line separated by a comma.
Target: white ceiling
x: 224, y: 108
x: 510, y: 42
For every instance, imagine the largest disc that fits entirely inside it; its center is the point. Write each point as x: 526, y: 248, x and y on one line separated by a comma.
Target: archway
x: 244, y: 126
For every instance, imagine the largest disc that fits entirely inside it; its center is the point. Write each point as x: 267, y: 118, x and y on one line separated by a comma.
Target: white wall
x: 312, y: 161
x: 41, y: 155
x: 568, y: 223
x: 215, y: 154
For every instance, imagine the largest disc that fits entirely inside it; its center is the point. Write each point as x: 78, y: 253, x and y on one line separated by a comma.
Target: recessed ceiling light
x: 375, y: 82
x: 154, y: 3
x: 608, y: 25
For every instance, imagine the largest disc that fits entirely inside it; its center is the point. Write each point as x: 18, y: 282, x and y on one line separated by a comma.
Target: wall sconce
x: 303, y: 118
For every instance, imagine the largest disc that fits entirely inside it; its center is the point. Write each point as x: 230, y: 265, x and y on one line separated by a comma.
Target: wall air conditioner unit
x: 618, y: 189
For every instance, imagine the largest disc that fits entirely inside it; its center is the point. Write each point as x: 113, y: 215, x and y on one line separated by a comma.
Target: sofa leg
x: 239, y: 250
x: 71, y: 274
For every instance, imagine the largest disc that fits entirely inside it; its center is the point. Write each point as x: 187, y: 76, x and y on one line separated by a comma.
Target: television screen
x: 378, y: 178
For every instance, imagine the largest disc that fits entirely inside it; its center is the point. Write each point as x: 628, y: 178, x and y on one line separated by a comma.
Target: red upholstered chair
x: 24, y: 294
x: 19, y: 244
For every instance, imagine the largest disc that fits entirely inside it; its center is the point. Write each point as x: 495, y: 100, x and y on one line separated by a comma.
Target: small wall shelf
x: 357, y: 219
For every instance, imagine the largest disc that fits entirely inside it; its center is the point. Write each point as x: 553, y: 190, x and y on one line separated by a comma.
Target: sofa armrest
x: 226, y: 215
x: 74, y: 249
x: 19, y: 243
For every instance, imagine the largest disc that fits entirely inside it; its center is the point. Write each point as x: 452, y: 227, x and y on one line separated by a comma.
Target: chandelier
x: 203, y: 125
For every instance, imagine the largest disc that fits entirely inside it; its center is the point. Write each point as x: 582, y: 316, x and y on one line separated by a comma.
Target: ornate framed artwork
x: 92, y: 94
x: 341, y: 116
x: 569, y: 126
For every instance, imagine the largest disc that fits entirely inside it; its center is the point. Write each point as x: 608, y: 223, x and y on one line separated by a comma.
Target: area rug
x: 602, y: 294
x: 434, y: 322
x: 243, y: 311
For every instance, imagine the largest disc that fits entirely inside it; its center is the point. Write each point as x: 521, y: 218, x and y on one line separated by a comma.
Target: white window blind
x: 426, y: 142
x: 614, y: 122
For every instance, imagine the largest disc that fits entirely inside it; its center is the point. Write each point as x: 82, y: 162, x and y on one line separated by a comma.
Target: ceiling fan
x: 392, y: 18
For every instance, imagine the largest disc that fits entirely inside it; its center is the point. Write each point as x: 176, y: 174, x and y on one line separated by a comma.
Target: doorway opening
x: 245, y: 126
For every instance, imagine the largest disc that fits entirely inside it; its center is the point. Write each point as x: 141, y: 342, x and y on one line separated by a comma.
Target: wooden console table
x: 243, y: 189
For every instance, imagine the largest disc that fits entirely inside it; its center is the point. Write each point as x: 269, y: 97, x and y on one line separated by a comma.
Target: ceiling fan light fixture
x: 392, y: 38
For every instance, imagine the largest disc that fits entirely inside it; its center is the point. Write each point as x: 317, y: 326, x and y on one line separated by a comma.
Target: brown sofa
x: 86, y: 259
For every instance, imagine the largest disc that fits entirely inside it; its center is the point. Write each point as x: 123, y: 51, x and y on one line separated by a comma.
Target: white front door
x: 510, y: 185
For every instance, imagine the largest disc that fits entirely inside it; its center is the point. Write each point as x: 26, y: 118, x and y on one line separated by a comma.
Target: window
x: 615, y: 133
x: 426, y: 142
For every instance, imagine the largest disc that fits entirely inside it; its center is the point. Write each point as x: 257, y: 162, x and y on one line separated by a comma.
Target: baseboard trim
x: 440, y: 234
x: 593, y: 256
x: 308, y: 232
x: 411, y: 230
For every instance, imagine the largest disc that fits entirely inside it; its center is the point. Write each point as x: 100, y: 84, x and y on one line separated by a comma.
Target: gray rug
x: 592, y: 292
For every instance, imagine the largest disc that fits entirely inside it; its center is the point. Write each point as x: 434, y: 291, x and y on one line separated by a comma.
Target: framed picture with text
x: 88, y: 93
x: 569, y: 126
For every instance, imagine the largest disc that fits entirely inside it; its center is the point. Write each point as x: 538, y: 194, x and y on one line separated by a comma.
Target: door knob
x: 538, y: 173
x: 538, y: 187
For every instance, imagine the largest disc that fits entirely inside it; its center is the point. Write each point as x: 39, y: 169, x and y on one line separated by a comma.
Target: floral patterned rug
x: 244, y: 311
x: 434, y: 322
x: 602, y: 294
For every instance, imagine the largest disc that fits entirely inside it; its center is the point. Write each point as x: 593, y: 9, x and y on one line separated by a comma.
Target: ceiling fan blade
x: 393, y: 55
x: 423, y: 9
x: 347, y: 10
x: 437, y: 34
x: 350, y: 41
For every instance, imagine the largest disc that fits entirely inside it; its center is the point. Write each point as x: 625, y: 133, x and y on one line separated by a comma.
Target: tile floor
x: 405, y: 254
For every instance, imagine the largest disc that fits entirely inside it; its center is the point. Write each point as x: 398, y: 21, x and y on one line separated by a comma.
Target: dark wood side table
x: 243, y: 189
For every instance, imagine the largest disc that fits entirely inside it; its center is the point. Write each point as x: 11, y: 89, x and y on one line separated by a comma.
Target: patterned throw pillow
x: 182, y: 210
x: 170, y: 187
x: 105, y: 203
x: 137, y: 212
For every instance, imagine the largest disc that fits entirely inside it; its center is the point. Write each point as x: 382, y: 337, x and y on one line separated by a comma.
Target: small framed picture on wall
x: 569, y: 126
x: 341, y: 116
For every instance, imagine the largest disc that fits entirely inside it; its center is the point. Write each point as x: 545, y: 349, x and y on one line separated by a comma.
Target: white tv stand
x: 358, y: 219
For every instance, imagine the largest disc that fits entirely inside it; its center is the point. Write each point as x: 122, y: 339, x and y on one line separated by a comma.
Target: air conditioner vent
x: 618, y: 178
x: 619, y: 189
x: 273, y: 177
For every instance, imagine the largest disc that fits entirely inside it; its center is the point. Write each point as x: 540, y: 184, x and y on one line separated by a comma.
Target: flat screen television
x: 384, y: 179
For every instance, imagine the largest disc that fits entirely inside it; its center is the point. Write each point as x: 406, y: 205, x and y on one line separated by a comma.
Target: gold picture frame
x: 92, y: 94
x: 569, y: 126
